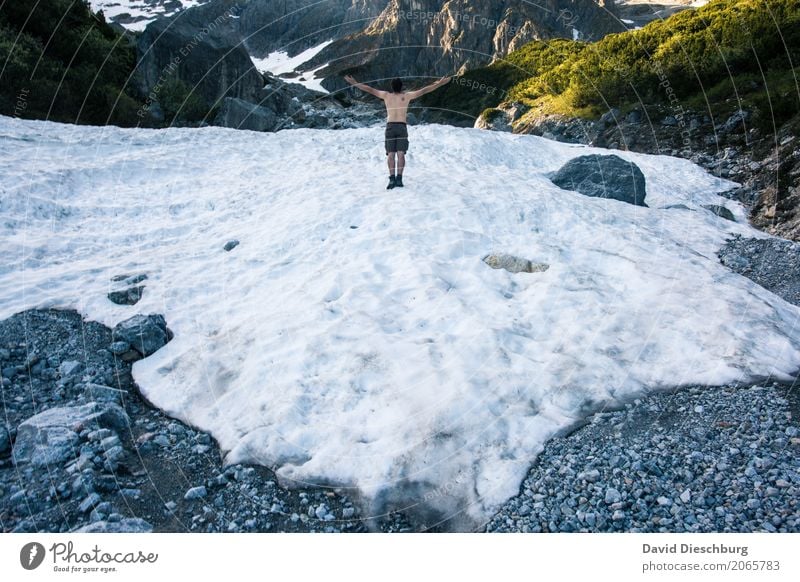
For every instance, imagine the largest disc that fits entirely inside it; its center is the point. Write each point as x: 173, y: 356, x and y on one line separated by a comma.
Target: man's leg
x: 401, y: 162
x: 390, y: 159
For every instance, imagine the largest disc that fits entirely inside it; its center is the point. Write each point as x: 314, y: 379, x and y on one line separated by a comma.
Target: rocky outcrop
x: 202, y: 48
x: 283, y: 105
x: 240, y: 114
x: 603, y: 177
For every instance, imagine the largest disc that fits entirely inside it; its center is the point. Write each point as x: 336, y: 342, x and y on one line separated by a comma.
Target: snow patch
x: 279, y: 63
x: 387, y: 357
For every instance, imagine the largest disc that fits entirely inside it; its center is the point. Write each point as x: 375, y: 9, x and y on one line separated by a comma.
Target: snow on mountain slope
x: 137, y: 14
x: 355, y: 337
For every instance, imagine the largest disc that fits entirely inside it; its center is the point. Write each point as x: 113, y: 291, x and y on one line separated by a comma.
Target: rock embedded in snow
x: 241, y: 114
x: 602, y: 176
x: 130, y: 296
x: 514, y: 264
x: 720, y: 211
x: 231, y: 244
x: 145, y: 333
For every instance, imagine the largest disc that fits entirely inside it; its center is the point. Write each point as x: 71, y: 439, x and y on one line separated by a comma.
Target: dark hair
x: 397, y: 85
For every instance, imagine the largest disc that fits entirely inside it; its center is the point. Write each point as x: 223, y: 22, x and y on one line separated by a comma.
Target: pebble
x: 722, y: 451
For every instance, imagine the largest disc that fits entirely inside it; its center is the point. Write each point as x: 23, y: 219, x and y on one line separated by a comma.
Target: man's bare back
x: 397, y: 102
x: 396, y: 137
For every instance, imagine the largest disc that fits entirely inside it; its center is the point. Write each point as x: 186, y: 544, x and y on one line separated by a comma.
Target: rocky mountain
x: 425, y: 38
x: 209, y: 47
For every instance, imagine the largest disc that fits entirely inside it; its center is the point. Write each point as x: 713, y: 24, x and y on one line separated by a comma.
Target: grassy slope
x: 718, y: 56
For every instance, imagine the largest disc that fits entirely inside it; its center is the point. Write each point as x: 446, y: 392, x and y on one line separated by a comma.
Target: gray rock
x: 493, y: 119
x: 118, y: 348
x: 130, y: 296
x: 241, y: 114
x: 5, y: 441
x: 100, y: 393
x: 90, y: 502
x: 70, y: 368
x: 126, y: 525
x: 514, y: 264
x: 51, y: 437
x: 195, y: 493
x: 612, y: 496
x: 231, y: 244
x: 591, y: 475
x: 145, y: 333
x: 610, y: 117
x: 720, y: 211
x: 634, y: 116
x: 603, y: 177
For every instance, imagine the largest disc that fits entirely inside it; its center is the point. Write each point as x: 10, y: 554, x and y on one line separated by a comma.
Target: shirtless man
x: 396, y: 136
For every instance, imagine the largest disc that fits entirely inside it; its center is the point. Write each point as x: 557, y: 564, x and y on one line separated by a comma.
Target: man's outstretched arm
x: 428, y: 88
x: 378, y: 93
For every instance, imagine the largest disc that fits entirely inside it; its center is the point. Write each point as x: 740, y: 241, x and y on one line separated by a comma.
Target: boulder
x: 240, y: 114
x: 51, y: 437
x: 145, y: 333
x: 603, y: 177
x: 720, y: 211
x: 126, y: 525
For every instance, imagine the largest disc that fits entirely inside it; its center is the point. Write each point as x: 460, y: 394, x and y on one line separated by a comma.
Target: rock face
x: 144, y: 333
x: 603, y: 177
x: 51, y: 437
x: 201, y: 47
x: 209, y: 47
x: 296, y: 25
x: 431, y: 38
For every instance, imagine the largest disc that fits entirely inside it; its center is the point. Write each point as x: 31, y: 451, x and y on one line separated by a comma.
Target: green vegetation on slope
x: 745, y: 51
x: 59, y: 61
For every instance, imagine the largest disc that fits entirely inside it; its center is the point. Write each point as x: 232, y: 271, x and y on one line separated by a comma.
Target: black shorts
x: 396, y: 137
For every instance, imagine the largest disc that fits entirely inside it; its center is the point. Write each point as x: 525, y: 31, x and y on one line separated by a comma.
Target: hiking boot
x: 398, y: 181
x: 392, y: 183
